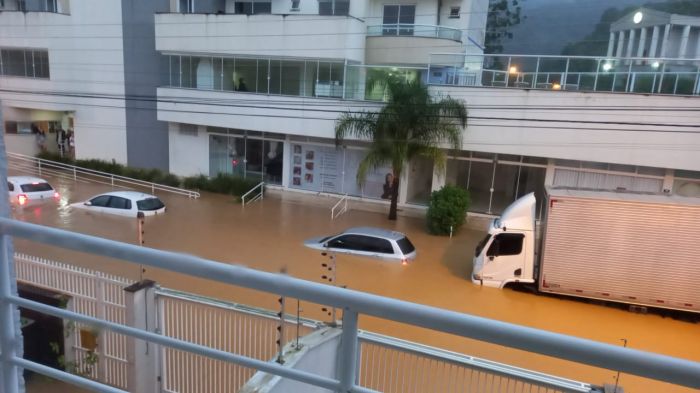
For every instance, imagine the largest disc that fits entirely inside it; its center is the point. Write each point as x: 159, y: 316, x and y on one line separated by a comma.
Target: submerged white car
x: 369, y: 242
x: 124, y: 203
x: 29, y: 191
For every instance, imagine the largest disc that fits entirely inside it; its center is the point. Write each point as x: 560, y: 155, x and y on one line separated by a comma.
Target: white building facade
x: 254, y: 88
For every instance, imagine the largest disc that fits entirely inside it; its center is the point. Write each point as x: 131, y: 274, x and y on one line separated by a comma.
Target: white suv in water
x: 29, y: 191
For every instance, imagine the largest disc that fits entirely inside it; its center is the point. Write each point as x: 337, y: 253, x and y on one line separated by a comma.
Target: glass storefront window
x: 508, y: 182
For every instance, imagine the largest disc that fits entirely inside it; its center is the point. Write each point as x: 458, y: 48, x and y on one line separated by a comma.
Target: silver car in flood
x: 368, y: 242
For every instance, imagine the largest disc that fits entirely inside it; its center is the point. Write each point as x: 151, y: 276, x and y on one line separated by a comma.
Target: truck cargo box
x: 622, y: 247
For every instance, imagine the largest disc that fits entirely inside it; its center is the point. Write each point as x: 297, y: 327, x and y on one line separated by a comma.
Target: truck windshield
x: 481, y: 245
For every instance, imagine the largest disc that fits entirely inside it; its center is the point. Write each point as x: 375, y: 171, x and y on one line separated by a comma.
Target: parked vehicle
x: 123, y: 203
x: 368, y: 242
x: 29, y: 191
x: 620, y: 247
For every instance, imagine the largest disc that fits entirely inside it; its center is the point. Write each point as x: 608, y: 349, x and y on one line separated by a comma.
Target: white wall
x: 189, y: 154
x: 318, y: 355
x: 85, y: 56
x: 293, y: 35
x: 558, y: 137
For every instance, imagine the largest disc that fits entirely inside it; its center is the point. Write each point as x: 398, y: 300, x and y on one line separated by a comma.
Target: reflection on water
x: 269, y: 235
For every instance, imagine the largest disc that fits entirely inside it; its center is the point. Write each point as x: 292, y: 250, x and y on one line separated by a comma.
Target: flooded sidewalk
x: 268, y: 235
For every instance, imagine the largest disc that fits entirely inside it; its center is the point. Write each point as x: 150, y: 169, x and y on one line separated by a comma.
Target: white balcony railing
x: 579, y: 73
x: 412, y: 30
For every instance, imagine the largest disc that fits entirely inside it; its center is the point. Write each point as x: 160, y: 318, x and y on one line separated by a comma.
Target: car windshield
x: 36, y: 187
x: 481, y: 245
x: 405, y: 245
x: 150, y: 204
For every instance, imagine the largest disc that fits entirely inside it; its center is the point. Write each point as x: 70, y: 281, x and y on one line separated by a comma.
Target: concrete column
x: 664, y: 40
x: 683, y: 50
x: 654, y: 41
x: 549, y: 174
x: 143, y: 373
x: 611, y: 44
x: 286, y: 159
x: 439, y: 176
x: 630, y: 43
x: 668, y: 181
x: 697, y: 46
x: 642, y: 42
x: 620, y: 43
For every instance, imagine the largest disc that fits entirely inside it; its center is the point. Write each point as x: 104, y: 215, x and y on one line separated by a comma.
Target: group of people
x: 65, y: 140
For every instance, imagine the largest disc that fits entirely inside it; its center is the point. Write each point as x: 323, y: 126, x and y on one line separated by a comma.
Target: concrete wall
x: 85, y: 56
x: 318, y: 355
x: 317, y: 36
x: 407, y: 50
x: 568, y: 131
x: 146, y: 138
x: 189, y: 154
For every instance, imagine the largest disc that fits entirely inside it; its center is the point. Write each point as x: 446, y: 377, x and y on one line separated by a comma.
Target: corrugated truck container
x: 621, y: 247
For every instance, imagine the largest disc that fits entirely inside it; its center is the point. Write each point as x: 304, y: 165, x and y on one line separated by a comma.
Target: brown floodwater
x: 268, y: 236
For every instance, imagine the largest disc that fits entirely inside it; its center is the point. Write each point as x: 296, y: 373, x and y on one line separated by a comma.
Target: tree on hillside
x: 596, y: 43
x: 412, y: 124
x: 502, y: 15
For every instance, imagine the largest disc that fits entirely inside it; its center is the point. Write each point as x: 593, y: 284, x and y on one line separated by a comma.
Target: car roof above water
x: 130, y: 194
x: 376, y: 232
x: 25, y: 179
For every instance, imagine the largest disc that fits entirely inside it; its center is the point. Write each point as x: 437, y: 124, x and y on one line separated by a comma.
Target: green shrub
x: 222, y: 183
x: 447, y: 210
x: 196, y: 182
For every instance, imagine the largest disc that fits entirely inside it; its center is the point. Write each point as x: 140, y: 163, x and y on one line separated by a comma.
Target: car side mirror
x: 88, y: 203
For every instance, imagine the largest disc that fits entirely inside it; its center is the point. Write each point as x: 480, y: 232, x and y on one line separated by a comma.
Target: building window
x: 38, y: 6
x: 24, y: 63
x: 334, y: 7
x: 295, y: 5
x: 186, y: 6
x: 398, y: 19
x: 454, y: 12
x: 253, y: 7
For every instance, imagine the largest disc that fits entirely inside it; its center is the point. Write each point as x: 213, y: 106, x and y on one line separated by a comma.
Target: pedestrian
x: 388, y: 186
x: 71, y: 143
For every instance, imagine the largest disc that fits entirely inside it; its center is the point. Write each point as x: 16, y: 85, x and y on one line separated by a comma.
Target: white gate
x: 99, y: 355
x: 233, y: 328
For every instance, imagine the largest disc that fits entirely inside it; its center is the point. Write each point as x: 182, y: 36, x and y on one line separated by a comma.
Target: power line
x: 340, y: 112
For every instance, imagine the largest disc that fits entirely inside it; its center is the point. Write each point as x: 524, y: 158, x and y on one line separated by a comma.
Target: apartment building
x: 254, y: 89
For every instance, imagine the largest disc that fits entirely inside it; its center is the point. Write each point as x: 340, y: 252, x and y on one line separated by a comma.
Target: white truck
x: 618, y: 247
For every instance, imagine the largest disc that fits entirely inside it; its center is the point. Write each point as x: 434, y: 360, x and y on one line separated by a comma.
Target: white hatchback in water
x: 368, y: 242
x: 29, y: 191
x: 123, y: 203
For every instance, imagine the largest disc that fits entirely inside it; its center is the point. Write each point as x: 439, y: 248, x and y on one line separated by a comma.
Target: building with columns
x: 254, y: 89
x: 655, y: 34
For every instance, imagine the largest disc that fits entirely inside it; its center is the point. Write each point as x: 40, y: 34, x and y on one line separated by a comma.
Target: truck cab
x: 507, y: 253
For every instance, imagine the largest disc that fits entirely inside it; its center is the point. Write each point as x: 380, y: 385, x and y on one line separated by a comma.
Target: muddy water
x: 268, y: 236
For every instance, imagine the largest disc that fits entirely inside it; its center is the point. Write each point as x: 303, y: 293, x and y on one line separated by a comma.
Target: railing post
x: 143, y: 371
x: 75, y: 175
x: 597, y: 71
x: 39, y: 167
x: 347, y: 372
x: 10, y: 333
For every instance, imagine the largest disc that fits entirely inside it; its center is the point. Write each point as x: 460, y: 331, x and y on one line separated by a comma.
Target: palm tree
x: 411, y: 124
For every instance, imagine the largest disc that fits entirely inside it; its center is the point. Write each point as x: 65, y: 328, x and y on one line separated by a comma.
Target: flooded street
x: 268, y: 236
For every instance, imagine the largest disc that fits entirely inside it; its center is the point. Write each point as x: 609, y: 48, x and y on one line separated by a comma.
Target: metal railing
x: 582, y: 73
x: 655, y: 366
x: 393, y: 365
x: 340, y: 207
x: 252, y: 196
x: 413, y: 30
x: 39, y: 166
